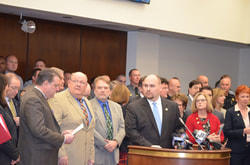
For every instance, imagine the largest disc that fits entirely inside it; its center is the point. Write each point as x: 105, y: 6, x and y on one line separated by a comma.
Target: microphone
x: 190, y: 133
x: 202, y: 139
x: 221, y: 127
x: 200, y: 136
x: 180, y: 140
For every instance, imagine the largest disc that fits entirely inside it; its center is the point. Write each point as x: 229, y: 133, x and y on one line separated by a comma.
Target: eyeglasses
x: 200, y: 100
x: 14, y: 88
x: 80, y: 82
x: 180, y: 105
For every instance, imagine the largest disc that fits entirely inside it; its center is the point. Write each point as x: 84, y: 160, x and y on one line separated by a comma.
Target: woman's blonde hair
x: 209, y: 104
x: 217, y: 92
x: 120, y: 94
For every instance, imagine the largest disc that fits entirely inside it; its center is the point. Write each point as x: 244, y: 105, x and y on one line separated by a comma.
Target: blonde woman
x: 218, y: 102
x: 203, y: 119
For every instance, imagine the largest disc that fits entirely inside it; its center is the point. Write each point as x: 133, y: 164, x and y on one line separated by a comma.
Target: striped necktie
x: 85, y: 113
x: 12, y: 108
x: 108, y: 123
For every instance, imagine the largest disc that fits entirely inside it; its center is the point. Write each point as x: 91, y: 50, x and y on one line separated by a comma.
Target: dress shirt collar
x: 102, y: 103
x: 158, y: 101
x: 41, y: 92
x: 236, y: 108
x: 191, y: 97
x: 7, y: 100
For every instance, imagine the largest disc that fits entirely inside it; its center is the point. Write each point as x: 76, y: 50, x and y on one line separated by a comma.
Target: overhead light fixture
x: 27, y: 26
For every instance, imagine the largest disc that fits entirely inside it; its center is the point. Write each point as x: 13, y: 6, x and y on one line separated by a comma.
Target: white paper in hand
x: 77, y: 129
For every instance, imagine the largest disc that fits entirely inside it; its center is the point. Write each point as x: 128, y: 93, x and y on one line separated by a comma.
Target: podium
x: 139, y: 155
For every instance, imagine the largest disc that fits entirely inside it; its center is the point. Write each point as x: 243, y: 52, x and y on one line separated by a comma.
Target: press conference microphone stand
x: 190, y: 133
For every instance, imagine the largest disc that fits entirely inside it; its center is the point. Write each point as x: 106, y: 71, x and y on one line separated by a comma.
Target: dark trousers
x: 240, y: 159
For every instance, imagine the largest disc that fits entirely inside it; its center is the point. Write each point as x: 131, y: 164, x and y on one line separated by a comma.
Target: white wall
x: 187, y: 59
x: 143, y: 52
x: 244, y: 67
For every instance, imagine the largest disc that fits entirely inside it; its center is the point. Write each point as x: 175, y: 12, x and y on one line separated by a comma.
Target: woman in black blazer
x: 237, y: 127
x: 8, y: 151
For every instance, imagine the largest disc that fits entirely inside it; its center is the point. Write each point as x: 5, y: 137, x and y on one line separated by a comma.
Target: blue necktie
x: 157, y: 117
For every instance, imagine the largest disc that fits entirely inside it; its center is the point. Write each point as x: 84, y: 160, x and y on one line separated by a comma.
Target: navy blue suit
x: 233, y: 130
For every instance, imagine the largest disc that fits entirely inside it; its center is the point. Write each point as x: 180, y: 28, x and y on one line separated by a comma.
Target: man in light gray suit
x: 40, y: 137
x: 109, y: 128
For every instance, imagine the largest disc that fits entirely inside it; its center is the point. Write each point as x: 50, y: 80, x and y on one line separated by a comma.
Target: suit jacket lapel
x: 75, y: 104
x: 113, y: 115
x: 47, y: 107
x: 239, y: 116
x: 249, y: 116
x: 164, y: 116
x: 100, y: 115
x: 147, y: 108
x: 90, y: 110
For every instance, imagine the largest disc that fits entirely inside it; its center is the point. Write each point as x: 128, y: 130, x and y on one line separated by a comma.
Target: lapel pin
x: 238, y: 114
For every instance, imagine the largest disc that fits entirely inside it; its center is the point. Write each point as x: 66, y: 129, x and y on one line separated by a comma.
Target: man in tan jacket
x: 71, y: 109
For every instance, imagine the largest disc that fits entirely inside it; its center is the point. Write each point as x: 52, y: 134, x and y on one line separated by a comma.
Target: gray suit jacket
x: 188, y: 110
x: 69, y: 115
x: 102, y: 156
x: 40, y: 137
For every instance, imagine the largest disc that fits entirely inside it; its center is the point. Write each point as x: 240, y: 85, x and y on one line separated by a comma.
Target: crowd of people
x: 57, y: 117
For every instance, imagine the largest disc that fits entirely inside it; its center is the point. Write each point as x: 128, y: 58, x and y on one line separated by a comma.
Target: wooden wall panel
x: 57, y: 43
x: 13, y: 40
x: 103, y: 52
x: 94, y: 51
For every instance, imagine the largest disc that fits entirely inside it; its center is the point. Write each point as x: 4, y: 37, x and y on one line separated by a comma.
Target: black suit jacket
x: 141, y: 128
x: 233, y: 130
x: 8, y: 150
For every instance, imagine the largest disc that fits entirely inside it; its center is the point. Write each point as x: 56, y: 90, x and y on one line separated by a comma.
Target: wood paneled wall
x: 94, y: 51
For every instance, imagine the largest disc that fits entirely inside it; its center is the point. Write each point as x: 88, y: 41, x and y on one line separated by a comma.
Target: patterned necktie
x: 85, y: 113
x: 157, y: 117
x: 12, y: 108
x: 108, y: 123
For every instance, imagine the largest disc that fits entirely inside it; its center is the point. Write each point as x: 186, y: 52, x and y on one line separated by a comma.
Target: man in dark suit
x: 151, y: 120
x: 134, y: 77
x: 13, y: 104
x: 40, y: 137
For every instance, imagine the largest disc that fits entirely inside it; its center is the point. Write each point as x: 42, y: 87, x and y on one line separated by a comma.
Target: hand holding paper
x: 77, y: 129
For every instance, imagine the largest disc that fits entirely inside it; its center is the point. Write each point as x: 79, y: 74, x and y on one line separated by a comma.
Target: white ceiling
x: 108, y: 25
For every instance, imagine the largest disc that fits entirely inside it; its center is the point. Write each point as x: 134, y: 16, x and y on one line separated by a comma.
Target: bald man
x: 71, y: 108
x: 151, y: 120
x: 203, y: 79
x: 174, y: 87
x: 11, y: 66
